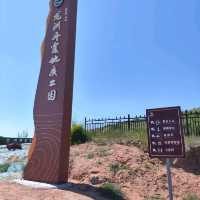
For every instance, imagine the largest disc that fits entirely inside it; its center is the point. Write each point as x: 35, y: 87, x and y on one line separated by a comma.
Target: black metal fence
x: 6, y: 140
x: 190, y: 121
x: 19, y: 140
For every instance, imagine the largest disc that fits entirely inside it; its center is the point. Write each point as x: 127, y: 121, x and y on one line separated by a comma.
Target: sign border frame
x: 180, y: 131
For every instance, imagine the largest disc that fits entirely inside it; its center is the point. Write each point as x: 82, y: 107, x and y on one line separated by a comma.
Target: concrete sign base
x: 39, y: 185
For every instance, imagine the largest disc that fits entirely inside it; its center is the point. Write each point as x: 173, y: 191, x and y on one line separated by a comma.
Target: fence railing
x: 6, y: 140
x: 190, y: 121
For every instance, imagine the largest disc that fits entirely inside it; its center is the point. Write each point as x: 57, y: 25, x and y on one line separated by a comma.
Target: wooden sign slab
x: 49, y: 159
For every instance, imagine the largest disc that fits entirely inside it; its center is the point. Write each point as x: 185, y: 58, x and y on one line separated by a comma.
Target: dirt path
x: 13, y: 191
x: 91, y: 165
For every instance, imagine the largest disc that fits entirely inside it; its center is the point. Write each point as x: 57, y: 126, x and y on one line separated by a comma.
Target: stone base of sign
x: 40, y: 185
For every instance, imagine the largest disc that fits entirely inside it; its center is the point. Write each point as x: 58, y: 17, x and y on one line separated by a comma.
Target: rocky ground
x: 91, y: 165
x: 17, y: 160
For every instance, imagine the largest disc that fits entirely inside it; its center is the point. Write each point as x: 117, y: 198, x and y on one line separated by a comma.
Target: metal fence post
x: 129, y: 123
x: 85, y: 125
x: 169, y: 178
x: 191, y: 123
x: 187, y: 122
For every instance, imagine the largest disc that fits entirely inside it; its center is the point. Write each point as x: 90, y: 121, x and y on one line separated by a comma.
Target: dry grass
x: 137, y: 138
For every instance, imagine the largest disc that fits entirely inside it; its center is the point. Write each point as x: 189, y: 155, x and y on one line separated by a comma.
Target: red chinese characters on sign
x: 165, y: 134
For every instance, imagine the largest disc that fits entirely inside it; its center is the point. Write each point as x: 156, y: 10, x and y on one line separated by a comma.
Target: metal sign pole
x: 169, y: 178
x: 165, y: 137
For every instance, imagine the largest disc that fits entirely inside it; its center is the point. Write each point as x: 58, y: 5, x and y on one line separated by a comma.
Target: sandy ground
x: 91, y: 165
x: 139, y: 176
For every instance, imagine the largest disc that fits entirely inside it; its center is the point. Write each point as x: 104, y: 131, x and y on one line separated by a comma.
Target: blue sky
x: 130, y: 55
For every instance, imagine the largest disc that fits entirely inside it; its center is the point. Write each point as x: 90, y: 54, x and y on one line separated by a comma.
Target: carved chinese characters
x: 165, y: 132
x: 55, y: 56
x: 49, y: 159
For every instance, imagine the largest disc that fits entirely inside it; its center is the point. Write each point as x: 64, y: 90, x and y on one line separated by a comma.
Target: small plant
x: 90, y: 156
x: 99, y: 162
x: 114, y: 167
x: 148, y: 165
x: 111, y: 191
x: 4, y: 167
x: 132, y: 173
x: 154, y: 197
x: 103, y: 152
x: 124, y: 167
x: 191, y: 197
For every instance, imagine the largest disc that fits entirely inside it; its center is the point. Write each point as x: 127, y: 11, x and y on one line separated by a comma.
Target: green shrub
x: 4, y: 168
x: 111, y: 191
x: 191, y: 197
x: 78, y: 135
